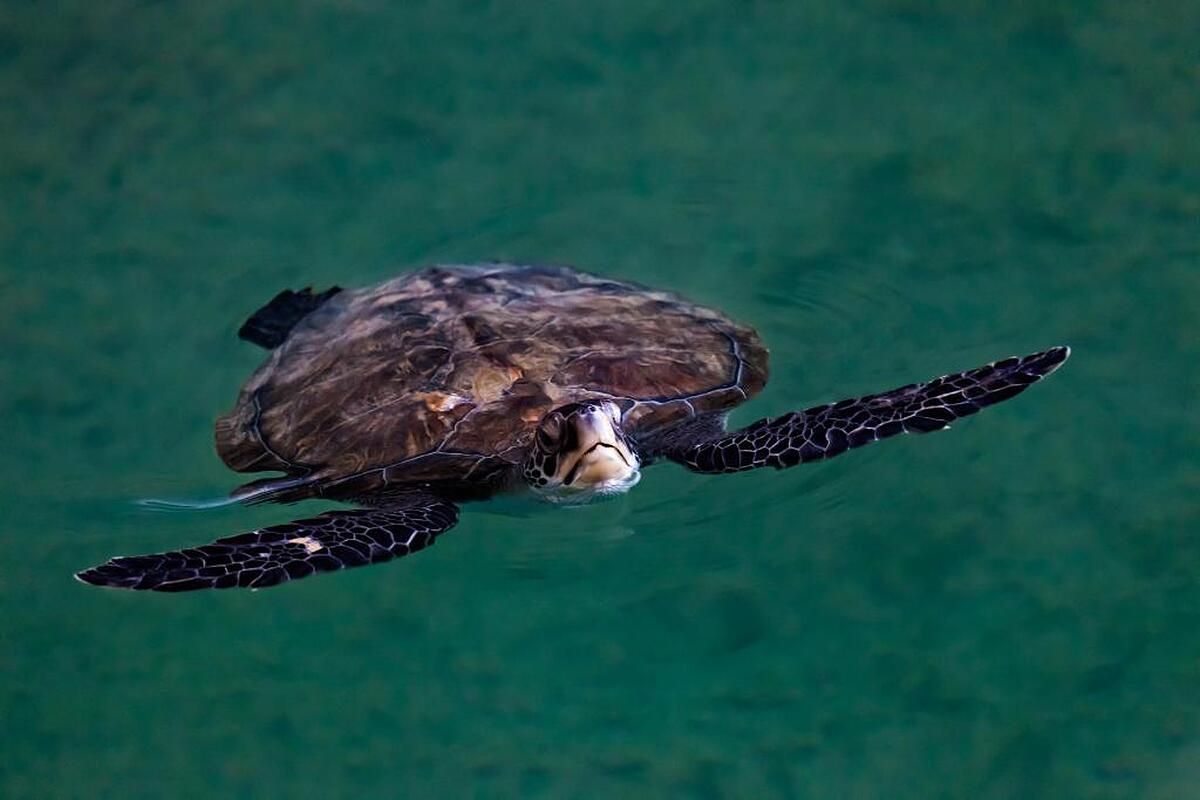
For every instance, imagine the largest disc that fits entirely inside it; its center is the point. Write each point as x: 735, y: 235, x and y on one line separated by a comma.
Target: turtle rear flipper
x: 270, y: 325
x: 825, y: 431
x: 268, y: 556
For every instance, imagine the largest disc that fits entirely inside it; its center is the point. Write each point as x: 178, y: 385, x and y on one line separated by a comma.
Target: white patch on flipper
x: 310, y: 544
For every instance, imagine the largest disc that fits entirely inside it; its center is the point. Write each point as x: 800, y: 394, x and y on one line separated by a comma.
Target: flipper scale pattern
x: 289, y: 551
x: 825, y: 431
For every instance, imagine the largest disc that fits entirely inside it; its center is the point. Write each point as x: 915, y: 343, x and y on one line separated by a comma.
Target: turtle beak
x: 596, y: 454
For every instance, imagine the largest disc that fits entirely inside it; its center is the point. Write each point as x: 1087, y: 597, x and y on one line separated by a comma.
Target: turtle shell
x: 443, y: 374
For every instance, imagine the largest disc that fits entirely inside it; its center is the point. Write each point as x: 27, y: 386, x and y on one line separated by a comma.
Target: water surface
x: 888, y: 190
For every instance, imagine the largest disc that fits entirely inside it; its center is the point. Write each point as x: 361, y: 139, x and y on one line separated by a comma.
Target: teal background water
x: 887, y: 189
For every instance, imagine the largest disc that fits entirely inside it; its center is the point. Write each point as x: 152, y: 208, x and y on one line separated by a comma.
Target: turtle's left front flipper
x: 825, y: 431
x: 267, y: 556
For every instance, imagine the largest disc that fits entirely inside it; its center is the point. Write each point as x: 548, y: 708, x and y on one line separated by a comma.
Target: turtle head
x: 580, y: 452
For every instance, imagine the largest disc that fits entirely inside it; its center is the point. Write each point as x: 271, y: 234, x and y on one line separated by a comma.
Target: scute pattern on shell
x: 443, y: 374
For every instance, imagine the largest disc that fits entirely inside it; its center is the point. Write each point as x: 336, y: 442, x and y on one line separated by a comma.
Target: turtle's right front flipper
x: 267, y: 556
x: 825, y: 431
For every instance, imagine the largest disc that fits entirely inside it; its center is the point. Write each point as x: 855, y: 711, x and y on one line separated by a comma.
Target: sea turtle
x: 456, y: 383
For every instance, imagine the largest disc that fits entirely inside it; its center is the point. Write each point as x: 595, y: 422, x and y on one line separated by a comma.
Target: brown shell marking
x: 435, y: 370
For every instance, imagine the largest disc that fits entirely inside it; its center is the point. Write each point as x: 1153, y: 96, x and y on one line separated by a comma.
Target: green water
x: 887, y: 189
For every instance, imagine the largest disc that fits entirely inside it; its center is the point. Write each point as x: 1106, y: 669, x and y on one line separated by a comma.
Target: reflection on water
x: 163, y: 504
x: 888, y: 191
